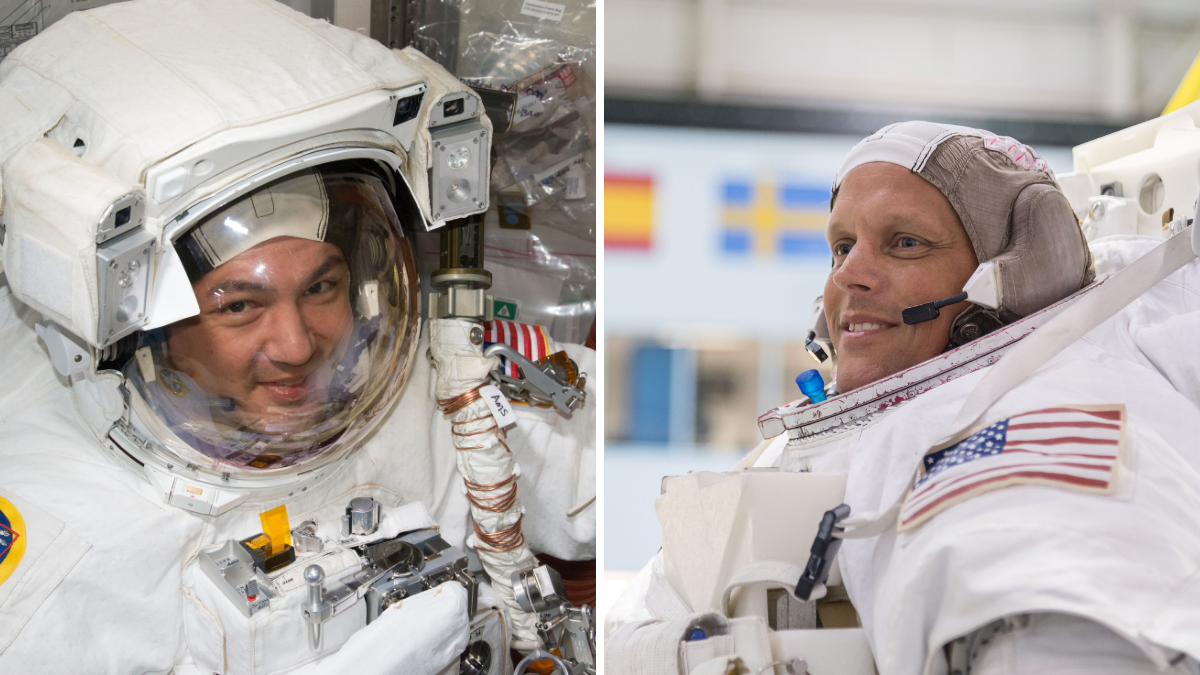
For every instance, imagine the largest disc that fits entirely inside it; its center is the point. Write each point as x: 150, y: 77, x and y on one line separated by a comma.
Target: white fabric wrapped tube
x: 482, y: 458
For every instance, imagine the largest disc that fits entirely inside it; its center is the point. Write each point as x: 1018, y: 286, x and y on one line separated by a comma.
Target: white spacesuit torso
x: 1122, y: 558
x: 108, y: 579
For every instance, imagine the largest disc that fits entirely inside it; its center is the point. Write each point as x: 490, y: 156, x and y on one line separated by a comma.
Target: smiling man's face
x: 896, y: 242
x: 272, y: 322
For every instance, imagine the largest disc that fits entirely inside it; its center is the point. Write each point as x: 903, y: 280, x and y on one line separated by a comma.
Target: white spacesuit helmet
x: 208, y: 204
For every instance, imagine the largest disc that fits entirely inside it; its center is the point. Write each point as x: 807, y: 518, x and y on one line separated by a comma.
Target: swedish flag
x: 774, y: 219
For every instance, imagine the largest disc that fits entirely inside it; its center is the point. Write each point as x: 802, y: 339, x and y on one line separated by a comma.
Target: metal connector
x: 540, y: 383
x: 563, y: 628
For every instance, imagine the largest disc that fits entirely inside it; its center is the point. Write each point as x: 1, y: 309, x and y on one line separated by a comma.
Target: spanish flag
x: 628, y: 211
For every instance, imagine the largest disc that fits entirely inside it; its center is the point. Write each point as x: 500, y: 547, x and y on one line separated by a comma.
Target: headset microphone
x: 930, y: 310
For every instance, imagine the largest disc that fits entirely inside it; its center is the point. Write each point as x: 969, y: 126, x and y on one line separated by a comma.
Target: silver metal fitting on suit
x: 539, y: 383
x: 394, y: 569
x: 362, y: 517
x: 569, y: 630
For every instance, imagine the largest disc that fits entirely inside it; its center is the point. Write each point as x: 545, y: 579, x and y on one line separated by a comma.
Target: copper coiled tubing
x: 451, y: 405
x: 504, y: 540
x: 499, y: 503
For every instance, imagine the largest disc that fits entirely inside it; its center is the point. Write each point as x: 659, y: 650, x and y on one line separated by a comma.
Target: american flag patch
x: 532, y: 342
x: 1070, y: 447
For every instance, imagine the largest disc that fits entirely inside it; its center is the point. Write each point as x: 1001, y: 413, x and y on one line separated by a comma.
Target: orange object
x: 275, y: 526
x: 563, y: 361
x: 545, y: 666
x: 259, y: 543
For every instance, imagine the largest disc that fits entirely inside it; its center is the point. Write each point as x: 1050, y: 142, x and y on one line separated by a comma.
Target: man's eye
x: 908, y: 242
x: 841, y: 249
x: 236, y: 307
x: 321, y: 287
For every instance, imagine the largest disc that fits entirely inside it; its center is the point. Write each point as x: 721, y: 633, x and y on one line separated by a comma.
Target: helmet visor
x: 308, y: 320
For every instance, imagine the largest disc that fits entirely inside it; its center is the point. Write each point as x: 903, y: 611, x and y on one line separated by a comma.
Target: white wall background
x: 1100, y: 59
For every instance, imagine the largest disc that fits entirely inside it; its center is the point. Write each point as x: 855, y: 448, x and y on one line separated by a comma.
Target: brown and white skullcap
x: 1008, y: 202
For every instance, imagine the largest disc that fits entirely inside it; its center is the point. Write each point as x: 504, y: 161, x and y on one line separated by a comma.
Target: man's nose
x: 860, y: 271
x: 290, y: 341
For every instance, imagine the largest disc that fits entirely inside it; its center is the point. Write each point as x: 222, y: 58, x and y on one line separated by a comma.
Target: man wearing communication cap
x: 1023, y: 517
x: 930, y: 202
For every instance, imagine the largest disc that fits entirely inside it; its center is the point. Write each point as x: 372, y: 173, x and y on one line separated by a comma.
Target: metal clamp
x: 362, y: 517
x: 540, y: 383
x: 305, y: 538
x: 392, y: 570
x: 563, y: 628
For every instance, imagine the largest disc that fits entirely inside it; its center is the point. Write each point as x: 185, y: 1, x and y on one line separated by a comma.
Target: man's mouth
x: 864, y: 326
x: 857, y: 327
x: 292, y: 389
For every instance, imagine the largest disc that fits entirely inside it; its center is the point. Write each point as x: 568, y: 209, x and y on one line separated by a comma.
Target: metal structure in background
x: 461, y: 280
x: 534, y: 76
x: 21, y: 20
x: 395, y: 24
x: 684, y: 111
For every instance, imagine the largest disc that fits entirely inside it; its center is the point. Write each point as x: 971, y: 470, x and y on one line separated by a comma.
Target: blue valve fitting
x: 811, y: 385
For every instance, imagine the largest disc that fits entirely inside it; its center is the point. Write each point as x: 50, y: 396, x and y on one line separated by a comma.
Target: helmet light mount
x: 141, y: 283
x: 460, y: 158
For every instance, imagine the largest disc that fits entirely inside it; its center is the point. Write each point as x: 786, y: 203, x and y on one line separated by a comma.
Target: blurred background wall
x: 725, y: 121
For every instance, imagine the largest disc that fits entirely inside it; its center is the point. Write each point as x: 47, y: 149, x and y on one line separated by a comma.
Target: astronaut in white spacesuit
x: 1034, y: 516
x: 210, y: 310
